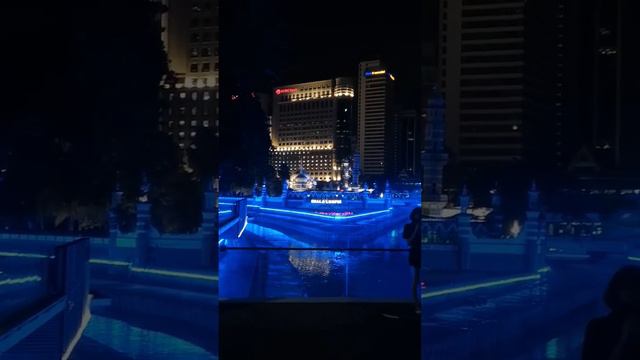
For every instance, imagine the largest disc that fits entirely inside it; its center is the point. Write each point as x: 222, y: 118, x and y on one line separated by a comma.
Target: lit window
x: 194, y: 122
x: 206, y: 95
x: 205, y: 123
x: 193, y: 134
x: 183, y: 95
x: 194, y: 96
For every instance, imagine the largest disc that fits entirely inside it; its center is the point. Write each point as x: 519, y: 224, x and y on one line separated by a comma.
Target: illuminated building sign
x: 285, y: 91
x: 326, y: 201
x: 373, y: 73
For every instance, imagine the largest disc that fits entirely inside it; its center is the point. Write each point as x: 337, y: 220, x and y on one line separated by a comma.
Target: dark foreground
x: 319, y: 330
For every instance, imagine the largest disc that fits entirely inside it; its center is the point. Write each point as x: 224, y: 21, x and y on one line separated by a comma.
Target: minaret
x: 355, y: 175
x: 263, y: 193
x: 387, y: 195
x: 434, y: 156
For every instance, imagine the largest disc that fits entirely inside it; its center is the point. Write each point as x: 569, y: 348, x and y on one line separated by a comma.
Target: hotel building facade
x: 313, y: 127
x: 190, y: 92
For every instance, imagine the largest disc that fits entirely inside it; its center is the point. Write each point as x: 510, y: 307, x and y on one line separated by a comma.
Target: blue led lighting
x: 22, y: 280
x: 246, y: 221
x: 484, y: 285
x: 328, y: 217
x: 633, y: 258
x: 225, y: 212
x: 109, y: 262
x: 156, y: 271
x: 26, y: 255
x: 176, y: 274
x: 545, y: 269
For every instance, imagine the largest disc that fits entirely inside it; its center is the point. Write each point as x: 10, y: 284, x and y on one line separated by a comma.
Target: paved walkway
x: 113, y: 339
x: 501, y: 322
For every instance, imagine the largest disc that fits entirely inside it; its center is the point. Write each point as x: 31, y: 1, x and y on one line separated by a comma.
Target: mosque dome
x: 302, y: 181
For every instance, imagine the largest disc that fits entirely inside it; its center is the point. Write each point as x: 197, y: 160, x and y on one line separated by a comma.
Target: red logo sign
x: 285, y: 91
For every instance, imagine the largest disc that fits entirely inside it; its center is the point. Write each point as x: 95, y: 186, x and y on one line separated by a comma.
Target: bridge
x: 342, y: 245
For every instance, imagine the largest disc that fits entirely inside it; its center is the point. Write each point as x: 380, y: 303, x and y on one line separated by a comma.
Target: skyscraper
x: 504, y: 73
x: 406, y: 145
x: 434, y: 157
x: 482, y: 76
x: 190, y: 92
x: 375, y: 116
x: 311, y: 127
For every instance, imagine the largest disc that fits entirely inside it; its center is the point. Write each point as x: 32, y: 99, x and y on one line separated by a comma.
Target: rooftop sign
x: 285, y: 91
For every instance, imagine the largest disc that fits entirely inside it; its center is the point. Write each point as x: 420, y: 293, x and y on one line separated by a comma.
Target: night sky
x: 266, y: 43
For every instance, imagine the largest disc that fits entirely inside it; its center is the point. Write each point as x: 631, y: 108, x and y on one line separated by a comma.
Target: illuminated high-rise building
x: 311, y: 127
x: 375, y: 117
x: 190, y: 92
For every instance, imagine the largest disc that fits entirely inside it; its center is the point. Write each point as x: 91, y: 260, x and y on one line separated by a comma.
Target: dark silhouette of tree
x: 244, y: 143
x: 86, y: 112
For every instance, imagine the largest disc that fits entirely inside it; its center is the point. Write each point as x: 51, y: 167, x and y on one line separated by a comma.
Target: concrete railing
x: 52, y: 330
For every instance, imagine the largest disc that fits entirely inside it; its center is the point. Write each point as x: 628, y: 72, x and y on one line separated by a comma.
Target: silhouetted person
x: 413, y: 234
x: 617, y: 335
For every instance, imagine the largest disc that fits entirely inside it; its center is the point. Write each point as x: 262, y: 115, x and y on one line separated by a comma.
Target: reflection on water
x: 137, y: 343
x: 337, y: 273
x: 311, y: 262
x: 371, y: 267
